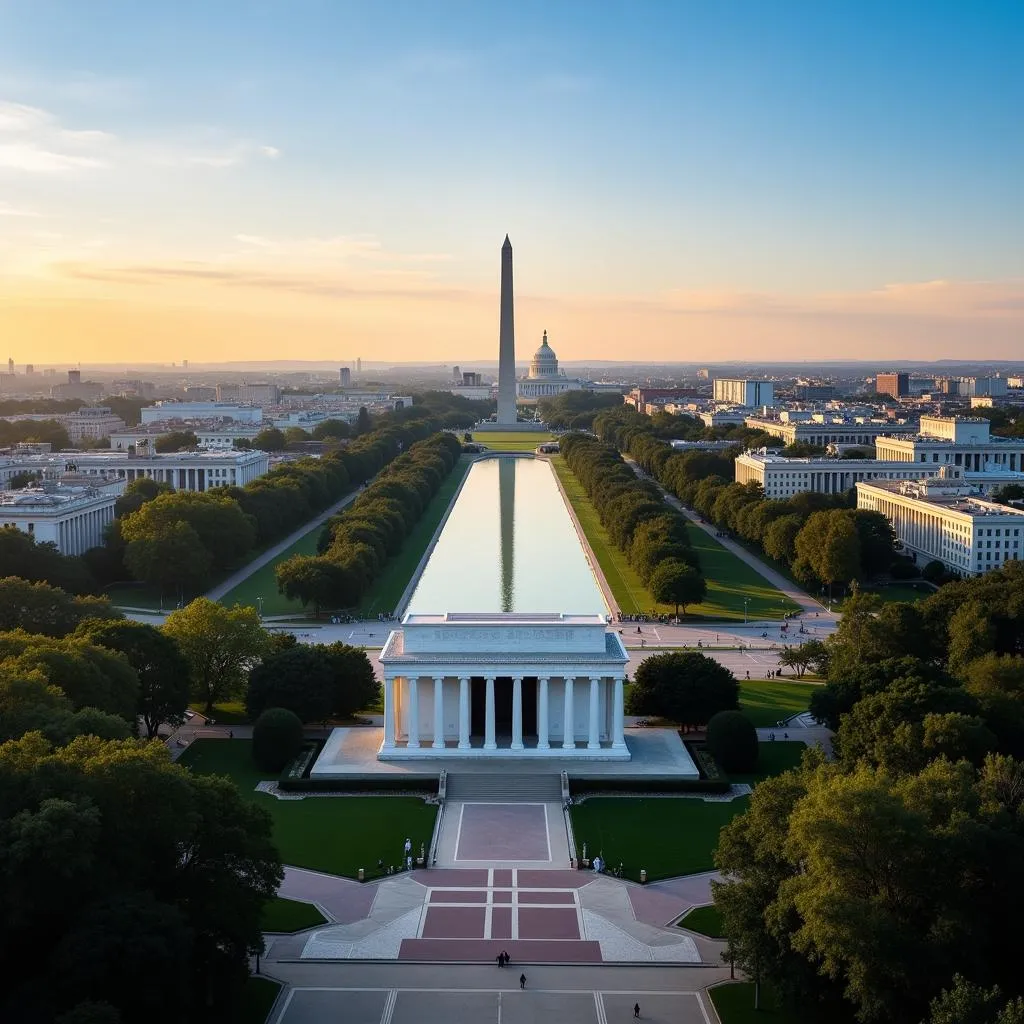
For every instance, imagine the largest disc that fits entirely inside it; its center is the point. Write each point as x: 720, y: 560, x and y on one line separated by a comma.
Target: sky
x: 318, y: 179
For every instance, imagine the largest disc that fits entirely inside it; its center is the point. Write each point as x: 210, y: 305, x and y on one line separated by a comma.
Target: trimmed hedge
x: 640, y: 786
x: 276, y: 739
x: 732, y: 738
x: 365, y: 786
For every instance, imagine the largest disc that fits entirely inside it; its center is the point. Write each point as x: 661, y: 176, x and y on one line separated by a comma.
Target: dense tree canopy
x: 684, y: 687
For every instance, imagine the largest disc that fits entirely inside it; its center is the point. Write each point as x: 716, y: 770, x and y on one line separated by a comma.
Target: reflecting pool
x: 509, y: 545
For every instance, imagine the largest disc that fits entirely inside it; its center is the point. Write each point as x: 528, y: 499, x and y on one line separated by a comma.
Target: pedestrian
x: 785, y: 735
x: 522, y: 981
x: 231, y: 734
x: 748, y: 673
x: 501, y: 959
x: 504, y: 953
x: 636, y: 1010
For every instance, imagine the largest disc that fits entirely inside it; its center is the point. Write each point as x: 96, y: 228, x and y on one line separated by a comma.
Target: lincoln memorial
x: 500, y: 684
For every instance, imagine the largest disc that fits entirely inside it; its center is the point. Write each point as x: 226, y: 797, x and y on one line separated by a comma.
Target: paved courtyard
x: 443, y: 994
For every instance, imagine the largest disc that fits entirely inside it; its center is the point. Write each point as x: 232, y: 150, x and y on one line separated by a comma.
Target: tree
x: 996, y: 681
x: 934, y: 572
x: 803, y: 656
x: 363, y: 424
x: 128, y: 881
x: 830, y: 545
x: 176, y: 441
x: 172, y: 558
x: 331, y: 429
x: 780, y: 538
x: 219, y: 644
x: 43, y: 609
x: 276, y: 739
x: 732, y: 739
x: 683, y: 686
x: 138, y: 492
x: 162, y: 671
x: 299, y: 679
x: 355, y: 685
x: 674, y: 582
x: 270, y: 439
x: 318, y: 581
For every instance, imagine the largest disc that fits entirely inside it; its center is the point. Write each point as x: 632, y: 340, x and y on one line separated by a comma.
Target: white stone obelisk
x: 507, y: 342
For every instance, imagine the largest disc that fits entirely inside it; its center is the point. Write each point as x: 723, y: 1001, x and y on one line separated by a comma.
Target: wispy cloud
x: 8, y: 210
x: 33, y: 140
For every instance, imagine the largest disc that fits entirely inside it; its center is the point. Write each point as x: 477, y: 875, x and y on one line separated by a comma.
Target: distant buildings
x: 75, y: 387
x: 345, y: 376
x: 640, y: 398
x: 164, y: 411
x: 895, y: 384
x: 824, y: 430
x: 954, y: 441
x: 544, y: 380
x: 751, y: 394
x: 92, y: 422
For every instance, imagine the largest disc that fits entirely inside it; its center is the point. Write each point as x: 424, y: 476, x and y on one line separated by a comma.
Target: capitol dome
x: 544, y: 363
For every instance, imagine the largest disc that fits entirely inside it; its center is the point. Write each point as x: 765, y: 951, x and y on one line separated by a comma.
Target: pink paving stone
x: 547, y: 897
x: 503, y: 832
x: 501, y: 923
x: 554, y: 879
x: 522, y: 951
x: 458, y: 896
x: 454, y: 923
x: 544, y: 923
x: 452, y: 878
x: 653, y: 907
x: 503, y: 877
x: 502, y: 896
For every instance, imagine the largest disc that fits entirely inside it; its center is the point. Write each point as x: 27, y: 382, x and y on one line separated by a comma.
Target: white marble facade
x: 503, y: 685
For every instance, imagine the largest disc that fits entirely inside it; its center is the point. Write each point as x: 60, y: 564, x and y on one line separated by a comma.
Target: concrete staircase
x: 492, y: 788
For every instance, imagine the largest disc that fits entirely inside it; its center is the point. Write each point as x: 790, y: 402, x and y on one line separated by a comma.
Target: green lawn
x: 281, y: 915
x: 891, y: 592
x: 729, y: 580
x: 258, y: 997
x: 704, y: 921
x: 262, y: 583
x: 667, y: 836
x: 767, y: 701
x: 734, y: 1004
x: 387, y: 589
x: 229, y: 713
x: 337, y: 835
x: 511, y: 440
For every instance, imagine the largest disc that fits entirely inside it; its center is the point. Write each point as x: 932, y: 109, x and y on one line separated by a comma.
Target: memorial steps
x: 493, y: 787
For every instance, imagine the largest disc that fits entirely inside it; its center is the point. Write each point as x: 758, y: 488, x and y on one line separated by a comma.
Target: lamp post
x: 746, y: 601
x: 259, y: 607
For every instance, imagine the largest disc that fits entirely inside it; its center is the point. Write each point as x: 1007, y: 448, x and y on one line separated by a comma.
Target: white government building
x: 955, y: 441
x: 71, y: 516
x: 781, y: 477
x: 532, y: 684
x: 824, y: 431
x: 943, y: 519
x: 751, y: 394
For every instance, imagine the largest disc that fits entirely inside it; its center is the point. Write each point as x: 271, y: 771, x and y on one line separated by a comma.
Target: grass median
x: 731, y: 582
x: 337, y: 835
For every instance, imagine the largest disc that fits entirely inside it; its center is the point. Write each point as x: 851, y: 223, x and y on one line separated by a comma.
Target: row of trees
x: 179, y: 540
x: 639, y: 522
x: 885, y: 884
x: 356, y: 544
x: 821, y: 539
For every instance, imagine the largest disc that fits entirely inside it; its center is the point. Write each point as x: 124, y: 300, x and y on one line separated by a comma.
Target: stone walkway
x: 483, y: 835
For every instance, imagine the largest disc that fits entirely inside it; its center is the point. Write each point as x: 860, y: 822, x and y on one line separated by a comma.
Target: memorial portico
x: 506, y: 684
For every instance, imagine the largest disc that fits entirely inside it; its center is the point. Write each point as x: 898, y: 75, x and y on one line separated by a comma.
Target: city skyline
x: 680, y: 183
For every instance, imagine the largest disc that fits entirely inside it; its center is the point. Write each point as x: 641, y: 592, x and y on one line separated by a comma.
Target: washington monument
x: 507, y: 342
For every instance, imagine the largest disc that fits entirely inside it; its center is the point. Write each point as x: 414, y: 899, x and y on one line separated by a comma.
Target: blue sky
x: 747, y: 162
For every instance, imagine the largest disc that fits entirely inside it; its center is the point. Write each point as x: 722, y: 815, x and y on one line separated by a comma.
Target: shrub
x: 276, y: 739
x: 732, y: 739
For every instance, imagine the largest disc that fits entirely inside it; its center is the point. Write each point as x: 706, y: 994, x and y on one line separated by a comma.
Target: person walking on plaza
x: 636, y: 1011
x: 522, y: 981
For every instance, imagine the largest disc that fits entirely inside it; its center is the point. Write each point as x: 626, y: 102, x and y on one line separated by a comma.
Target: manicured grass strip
x: 630, y: 594
x: 704, y: 921
x: 767, y: 701
x: 731, y: 581
x: 258, y: 997
x: 510, y: 440
x: 387, y: 589
x: 734, y: 1004
x: 281, y: 915
x: 668, y: 837
x: 337, y: 835
x: 262, y: 583
x: 230, y: 713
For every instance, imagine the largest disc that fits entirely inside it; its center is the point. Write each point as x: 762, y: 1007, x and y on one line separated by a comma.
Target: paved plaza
x: 415, y: 994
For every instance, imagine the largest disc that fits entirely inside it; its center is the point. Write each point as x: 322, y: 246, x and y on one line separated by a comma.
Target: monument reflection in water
x: 509, y: 545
